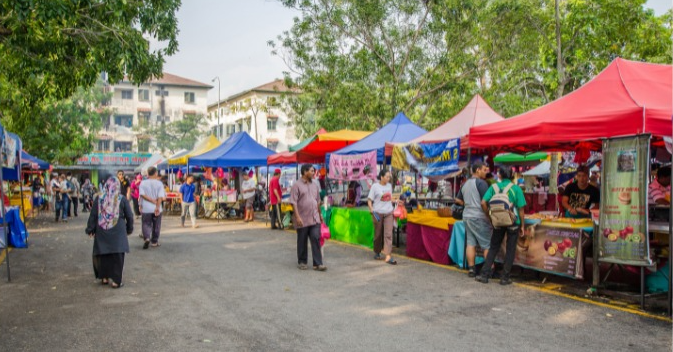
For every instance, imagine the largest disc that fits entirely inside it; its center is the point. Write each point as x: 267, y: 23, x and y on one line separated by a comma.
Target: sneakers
x: 482, y: 278
x: 302, y: 266
x: 471, y: 272
x: 319, y: 268
x: 505, y: 281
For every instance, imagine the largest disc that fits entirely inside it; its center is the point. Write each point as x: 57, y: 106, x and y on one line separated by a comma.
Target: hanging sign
x: 353, y: 167
x: 623, y: 208
x: 434, y: 161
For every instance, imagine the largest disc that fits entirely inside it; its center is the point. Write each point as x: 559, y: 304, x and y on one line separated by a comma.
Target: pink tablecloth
x: 428, y: 243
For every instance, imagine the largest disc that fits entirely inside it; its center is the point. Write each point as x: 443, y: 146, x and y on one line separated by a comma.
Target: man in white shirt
x: 152, y: 193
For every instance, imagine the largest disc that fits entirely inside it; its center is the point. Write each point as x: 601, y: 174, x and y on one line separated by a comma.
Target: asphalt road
x: 235, y: 287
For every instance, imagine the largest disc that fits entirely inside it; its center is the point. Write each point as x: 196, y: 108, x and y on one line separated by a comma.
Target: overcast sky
x: 228, y: 39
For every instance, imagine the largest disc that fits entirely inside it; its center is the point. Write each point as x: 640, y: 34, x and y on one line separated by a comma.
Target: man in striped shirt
x: 660, y: 187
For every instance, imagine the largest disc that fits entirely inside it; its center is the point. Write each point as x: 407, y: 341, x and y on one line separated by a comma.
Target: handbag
x: 457, y: 211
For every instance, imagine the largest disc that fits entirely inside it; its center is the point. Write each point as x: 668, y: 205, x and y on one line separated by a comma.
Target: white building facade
x: 162, y: 100
x: 258, y: 111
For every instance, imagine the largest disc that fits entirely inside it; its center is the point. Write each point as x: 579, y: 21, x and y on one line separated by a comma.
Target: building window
x: 159, y: 93
x: 144, y: 118
x: 127, y: 94
x: 272, y: 144
x: 123, y: 146
x: 214, y: 131
x: 189, y: 98
x: 103, y: 145
x: 143, y: 95
x: 231, y: 129
x: 271, y: 123
x: 143, y: 145
x: 124, y: 120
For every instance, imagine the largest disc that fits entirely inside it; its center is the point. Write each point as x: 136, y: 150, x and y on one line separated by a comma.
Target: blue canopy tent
x: 240, y: 150
x: 399, y: 130
x: 28, y: 161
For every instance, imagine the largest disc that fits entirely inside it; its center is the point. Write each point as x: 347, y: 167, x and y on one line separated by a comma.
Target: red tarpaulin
x: 626, y: 98
x: 313, y: 150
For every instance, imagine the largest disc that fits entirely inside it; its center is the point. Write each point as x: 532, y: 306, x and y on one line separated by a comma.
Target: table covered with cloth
x: 428, y: 236
x: 352, y: 225
x: 17, y: 234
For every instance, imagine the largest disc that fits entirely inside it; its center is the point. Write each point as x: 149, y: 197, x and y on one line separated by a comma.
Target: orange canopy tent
x: 314, y: 149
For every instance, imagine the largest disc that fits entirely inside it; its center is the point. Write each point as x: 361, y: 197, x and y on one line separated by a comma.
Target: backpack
x: 501, y: 208
x: 71, y: 187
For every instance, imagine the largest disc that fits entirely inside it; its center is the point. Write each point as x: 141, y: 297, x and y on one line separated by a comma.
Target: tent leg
x: 4, y: 223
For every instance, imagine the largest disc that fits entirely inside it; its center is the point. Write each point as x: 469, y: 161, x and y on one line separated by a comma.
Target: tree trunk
x: 560, y: 65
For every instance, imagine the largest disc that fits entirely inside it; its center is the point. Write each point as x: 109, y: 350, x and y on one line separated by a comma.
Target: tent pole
x: 23, y: 207
x: 2, y: 209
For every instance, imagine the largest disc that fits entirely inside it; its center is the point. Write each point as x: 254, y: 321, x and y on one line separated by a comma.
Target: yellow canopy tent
x: 343, y: 135
x: 200, y: 147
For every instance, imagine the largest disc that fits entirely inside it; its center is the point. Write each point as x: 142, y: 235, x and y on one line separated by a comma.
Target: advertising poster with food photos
x: 623, y: 210
x: 551, y: 249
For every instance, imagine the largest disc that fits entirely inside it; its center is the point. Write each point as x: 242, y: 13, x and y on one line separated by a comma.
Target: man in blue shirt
x: 188, y: 202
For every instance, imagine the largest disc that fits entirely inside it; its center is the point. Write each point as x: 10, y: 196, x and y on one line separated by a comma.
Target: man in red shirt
x: 275, y: 197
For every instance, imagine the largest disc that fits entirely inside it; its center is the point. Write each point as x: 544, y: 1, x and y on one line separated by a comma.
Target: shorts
x: 478, y: 231
x: 249, y: 201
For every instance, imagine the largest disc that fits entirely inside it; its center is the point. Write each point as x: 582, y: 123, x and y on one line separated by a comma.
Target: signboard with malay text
x: 623, y: 223
x: 113, y: 159
x: 434, y: 160
x: 353, y: 167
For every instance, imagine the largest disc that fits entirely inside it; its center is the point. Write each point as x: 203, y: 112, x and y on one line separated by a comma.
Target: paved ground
x: 235, y: 287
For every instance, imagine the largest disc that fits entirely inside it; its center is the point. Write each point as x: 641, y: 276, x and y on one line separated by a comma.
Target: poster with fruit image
x: 554, y: 250
x: 622, y: 236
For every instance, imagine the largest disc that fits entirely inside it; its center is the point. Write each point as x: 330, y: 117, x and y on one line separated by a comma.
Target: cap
x: 276, y: 171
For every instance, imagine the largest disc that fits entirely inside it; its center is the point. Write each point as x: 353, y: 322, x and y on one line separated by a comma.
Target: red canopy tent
x: 476, y: 113
x: 626, y: 98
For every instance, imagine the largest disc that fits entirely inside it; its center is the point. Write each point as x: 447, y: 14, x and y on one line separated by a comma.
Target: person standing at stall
x: 478, y: 229
x: 661, y: 187
x: 110, y: 222
x: 579, y: 197
x: 275, y: 197
x: 74, y: 194
x: 65, y: 199
x: 187, y: 191
x: 152, y: 193
x: 305, y: 199
x: 248, y: 191
x: 380, y: 201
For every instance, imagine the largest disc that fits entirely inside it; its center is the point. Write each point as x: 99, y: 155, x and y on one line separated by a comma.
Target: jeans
x: 58, y: 207
x: 305, y: 234
x: 73, y: 206
x: 499, y: 233
x: 191, y: 207
x: 66, y: 207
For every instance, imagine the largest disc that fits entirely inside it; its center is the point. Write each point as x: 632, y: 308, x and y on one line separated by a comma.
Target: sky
x: 228, y: 39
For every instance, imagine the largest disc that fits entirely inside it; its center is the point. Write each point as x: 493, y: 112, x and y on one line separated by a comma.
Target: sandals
x: 391, y: 261
x: 104, y: 281
x: 155, y: 244
x: 114, y: 285
x: 146, y: 245
x: 378, y: 256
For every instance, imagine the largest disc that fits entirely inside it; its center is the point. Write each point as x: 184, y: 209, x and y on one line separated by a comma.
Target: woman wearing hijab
x: 110, y: 221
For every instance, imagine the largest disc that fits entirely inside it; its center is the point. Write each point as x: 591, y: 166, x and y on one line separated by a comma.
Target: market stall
x: 429, y: 235
x: 10, y: 161
x: 358, y: 161
x: 623, y: 111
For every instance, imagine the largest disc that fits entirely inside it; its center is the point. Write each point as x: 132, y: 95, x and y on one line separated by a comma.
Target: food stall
x: 627, y: 98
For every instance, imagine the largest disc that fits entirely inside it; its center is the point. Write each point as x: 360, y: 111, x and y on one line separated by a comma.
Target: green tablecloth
x: 352, y: 225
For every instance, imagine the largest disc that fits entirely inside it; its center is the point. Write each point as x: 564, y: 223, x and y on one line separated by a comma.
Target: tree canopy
x: 51, y: 48
x: 358, y: 62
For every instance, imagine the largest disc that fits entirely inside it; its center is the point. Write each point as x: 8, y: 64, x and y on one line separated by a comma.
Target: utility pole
x: 217, y: 129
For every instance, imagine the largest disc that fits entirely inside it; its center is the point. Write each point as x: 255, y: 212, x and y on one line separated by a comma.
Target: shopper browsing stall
x: 660, y: 188
x: 248, y: 191
x: 305, y: 200
x: 580, y: 197
x: 380, y: 201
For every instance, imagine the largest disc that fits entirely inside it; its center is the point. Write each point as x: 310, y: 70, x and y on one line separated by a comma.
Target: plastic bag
x: 324, y: 233
x: 287, y: 219
x: 400, y: 212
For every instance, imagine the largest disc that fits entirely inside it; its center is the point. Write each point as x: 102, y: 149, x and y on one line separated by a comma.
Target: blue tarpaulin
x: 399, y: 130
x: 239, y: 150
x: 27, y: 160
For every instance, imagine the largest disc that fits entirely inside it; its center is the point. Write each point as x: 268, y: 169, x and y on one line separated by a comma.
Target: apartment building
x: 258, y: 111
x: 162, y: 100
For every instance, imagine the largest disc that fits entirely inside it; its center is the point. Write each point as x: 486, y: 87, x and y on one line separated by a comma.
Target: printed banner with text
x: 623, y: 214
x: 353, y: 167
x: 433, y: 161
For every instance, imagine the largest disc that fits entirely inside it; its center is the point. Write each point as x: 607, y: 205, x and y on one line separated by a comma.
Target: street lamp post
x: 217, y: 129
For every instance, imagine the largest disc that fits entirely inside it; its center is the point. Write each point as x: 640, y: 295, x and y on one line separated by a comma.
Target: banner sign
x: 556, y: 250
x: 114, y: 159
x: 8, y: 151
x: 623, y: 209
x: 433, y: 160
x: 353, y: 167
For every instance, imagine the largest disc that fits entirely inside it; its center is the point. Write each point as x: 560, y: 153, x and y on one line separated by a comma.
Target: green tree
x: 51, y: 48
x: 176, y: 135
x: 68, y: 127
